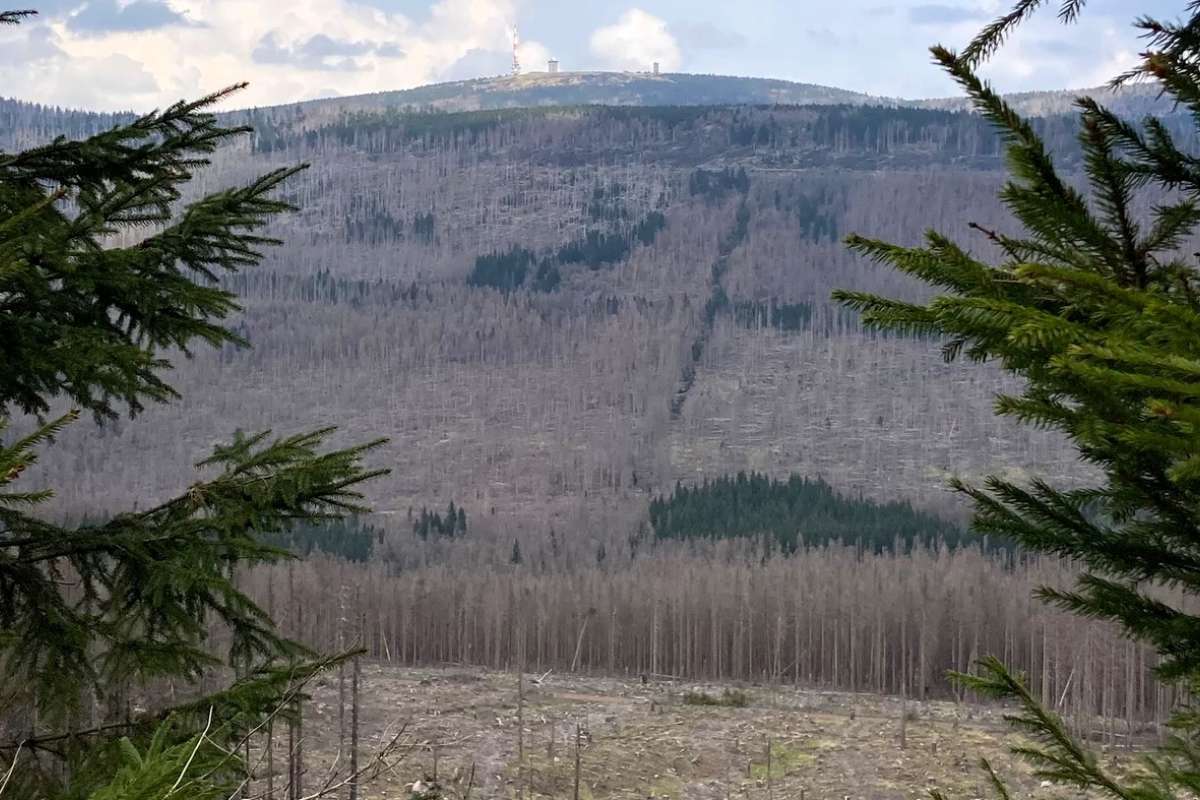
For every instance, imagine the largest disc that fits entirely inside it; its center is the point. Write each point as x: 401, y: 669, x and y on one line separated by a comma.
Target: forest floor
x: 644, y: 741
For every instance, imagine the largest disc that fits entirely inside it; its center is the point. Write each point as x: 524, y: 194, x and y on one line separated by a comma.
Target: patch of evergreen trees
x: 718, y: 302
x: 818, y: 222
x: 798, y: 134
x: 367, y: 220
x: 349, y: 538
x: 423, y: 227
x: 510, y: 270
x: 547, y: 278
x: 647, y: 230
x: 448, y: 525
x: 792, y: 513
x: 504, y: 271
x: 749, y: 134
x: 596, y: 249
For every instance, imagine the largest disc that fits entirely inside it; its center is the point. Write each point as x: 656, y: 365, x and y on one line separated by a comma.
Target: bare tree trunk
x: 341, y: 647
x: 579, y: 641
x: 770, y: 785
x: 521, y: 733
x: 291, y: 765
x: 354, y: 725
x: 578, y: 736
x: 298, y: 779
x: 271, y: 759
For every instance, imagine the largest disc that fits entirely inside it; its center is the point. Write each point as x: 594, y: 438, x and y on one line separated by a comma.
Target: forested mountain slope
x: 558, y: 313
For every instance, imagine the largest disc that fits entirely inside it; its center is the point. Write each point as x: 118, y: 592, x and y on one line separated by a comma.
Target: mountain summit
x: 608, y: 89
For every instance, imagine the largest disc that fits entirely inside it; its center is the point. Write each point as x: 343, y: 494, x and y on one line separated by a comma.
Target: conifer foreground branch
x: 90, y: 612
x: 1093, y: 306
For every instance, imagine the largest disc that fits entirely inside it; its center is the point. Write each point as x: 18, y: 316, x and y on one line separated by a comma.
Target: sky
x: 143, y: 54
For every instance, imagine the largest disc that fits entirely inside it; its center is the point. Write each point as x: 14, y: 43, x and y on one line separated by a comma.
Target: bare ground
x: 642, y: 741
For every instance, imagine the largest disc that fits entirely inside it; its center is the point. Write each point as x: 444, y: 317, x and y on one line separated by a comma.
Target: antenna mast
x: 516, y: 65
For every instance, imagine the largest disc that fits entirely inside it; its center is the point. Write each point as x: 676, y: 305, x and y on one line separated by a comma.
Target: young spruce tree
x: 1097, y: 309
x: 88, y: 610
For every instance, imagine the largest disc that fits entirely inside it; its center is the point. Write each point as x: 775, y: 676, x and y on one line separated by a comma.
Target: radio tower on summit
x: 516, y: 65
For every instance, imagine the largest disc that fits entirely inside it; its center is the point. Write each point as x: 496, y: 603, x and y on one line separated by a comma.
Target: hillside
x: 543, y: 89
x: 1133, y: 101
x: 558, y: 313
x: 575, y: 89
x: 563, y: 318
x: 599, y: 88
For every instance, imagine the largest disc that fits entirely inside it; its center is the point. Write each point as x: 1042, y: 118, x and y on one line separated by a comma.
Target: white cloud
x: 298, y: 41
x: 533, y: 56
x: 635, y: 41
x: 1043, y: 59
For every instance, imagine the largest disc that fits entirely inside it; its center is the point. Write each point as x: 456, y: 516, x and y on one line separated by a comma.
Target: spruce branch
x: 1057, y: 756
x: 15, y: 17
x: 76, y: 304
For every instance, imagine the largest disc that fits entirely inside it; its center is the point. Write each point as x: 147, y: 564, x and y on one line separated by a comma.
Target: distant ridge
x: 1134, y: 101
x: 574, y: 89
x: 601, y: 88
x: 544, y: 89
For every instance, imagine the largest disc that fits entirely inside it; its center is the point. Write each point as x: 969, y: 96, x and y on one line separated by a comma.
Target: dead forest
x: 628, y: 358
x: 831, y: 617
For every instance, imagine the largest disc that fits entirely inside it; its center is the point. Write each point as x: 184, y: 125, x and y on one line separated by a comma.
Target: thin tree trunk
x: 354, y: 728
x: 521, y: 734
x: 271, y: 759
x: 578, y: 736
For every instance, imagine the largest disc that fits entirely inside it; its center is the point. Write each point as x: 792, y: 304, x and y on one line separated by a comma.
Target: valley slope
x: 556, y: 312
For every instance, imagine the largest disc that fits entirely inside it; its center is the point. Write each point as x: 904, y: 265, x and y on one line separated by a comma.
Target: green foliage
x: 646, y: 231
x: 424, y: 228
x: 853, y: 136
x: 172, y: 567
x: 69, y: 304
x: 511, y: 270
x: 741, y: 229
x: 717, y: 303
x: 449, y: 525
x: 117, y: 601
x: 1094, y: 308
x: 1059, y: 757
x: 596, y: 249
x: 503, y: 271
x: 817, y: 222
x: 194, y: 768
x: 729, y: 698
x: 368, y: 220
x: 1099, y: 317
x: 791, y: 514
x: 748, y: 134
x: 388, y: 129
x: 547, y: 278
x: 349, y: 538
